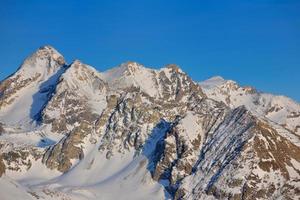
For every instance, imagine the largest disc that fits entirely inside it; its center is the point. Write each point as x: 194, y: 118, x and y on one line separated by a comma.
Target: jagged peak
x: 127, y: 68
x: 83, y: 77
x: 78, y: 69
x: 48, y: 48
x: 213, y: 82
x: 77, y: 64
x: 124, y: 70
x: 220, y: 82
x: 131, y: 66
x: 216, y: 78
x: 44, y: 61
x: 47, y: 52
x: 169, y: 68
x: 233, y: 85
x: 173, y: 68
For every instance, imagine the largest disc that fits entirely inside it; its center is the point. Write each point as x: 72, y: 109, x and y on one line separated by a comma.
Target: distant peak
x: 213, y: 82
x: 78, y: 65
x: 216, y: 78
x: 125, y: 69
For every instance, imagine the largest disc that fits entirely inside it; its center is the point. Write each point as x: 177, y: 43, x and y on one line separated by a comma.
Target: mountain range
x: 68, y: 131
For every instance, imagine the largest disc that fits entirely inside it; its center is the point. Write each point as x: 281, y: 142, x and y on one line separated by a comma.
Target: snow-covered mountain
x: 68, y: 131
x: 24, y: 93
x: 280, y: 110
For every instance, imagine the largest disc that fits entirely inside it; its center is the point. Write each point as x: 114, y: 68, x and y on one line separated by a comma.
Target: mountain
x: 23, y: 94
x: 68, y: 131
x: 280, y: 110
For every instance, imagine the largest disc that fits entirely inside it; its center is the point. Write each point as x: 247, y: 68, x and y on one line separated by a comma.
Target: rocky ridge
x: 144, y: 133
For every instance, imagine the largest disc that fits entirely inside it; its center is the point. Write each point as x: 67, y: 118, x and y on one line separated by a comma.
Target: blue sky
x: 255, y: 42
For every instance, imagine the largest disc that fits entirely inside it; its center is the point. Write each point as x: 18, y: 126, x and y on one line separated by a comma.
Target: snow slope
x: 24, y: 94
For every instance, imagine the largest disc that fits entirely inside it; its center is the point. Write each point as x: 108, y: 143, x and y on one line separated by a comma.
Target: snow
x: 44, y: 61
x: 95, y: 176
x: 190, y: 126
x: 134, y: 182
x: 81, y: 83
x: 101, y: 179
x: 126, y: 174
x: 132, y: 74
x: 277, y: 109
x: 19, y: 112
x: 212, y: 82
x: 29, y: 100
x: 11, y: 190
x: 31, y: 177
x: 39, y: 137
x: 218, y: 151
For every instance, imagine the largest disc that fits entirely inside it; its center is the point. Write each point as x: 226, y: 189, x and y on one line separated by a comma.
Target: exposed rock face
x: 279, y: 109
x: 61, y: 154
x: 218, y: 151
x: 184, y: 141
x: 132, y: 127
x: 125, y: 123
x: 2, y: 166
x: 1, y: 129
x: 167, y: 84
x: 261, y: 153
x: 78, y: 91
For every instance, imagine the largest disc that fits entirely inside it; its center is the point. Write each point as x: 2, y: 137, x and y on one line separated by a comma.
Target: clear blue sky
x: 255, y: 42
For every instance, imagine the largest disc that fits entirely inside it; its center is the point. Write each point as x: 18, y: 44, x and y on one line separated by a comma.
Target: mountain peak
x: 44, y: 61
x: 129, y: 68
x: 125, y: 69
x: 48, y: 51
x: 80, y: 73
x: 213, y: 82
x: 35, y: 79
x: 174, y: 68
x: 47, y: 48
x: 217, y: 78
x: 77, y: 63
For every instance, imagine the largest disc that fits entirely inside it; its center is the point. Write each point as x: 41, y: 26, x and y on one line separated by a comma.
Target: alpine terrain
x: 68, y: 131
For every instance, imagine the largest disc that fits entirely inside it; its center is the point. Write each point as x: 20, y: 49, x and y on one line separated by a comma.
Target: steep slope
x: 278, y: 109
x: 138, y: 133
x: 79, y: 95
x: 23, y: 94
x: 265, y: 167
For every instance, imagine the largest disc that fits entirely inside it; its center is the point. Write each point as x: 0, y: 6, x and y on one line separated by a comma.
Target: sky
x: 254, y: 42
